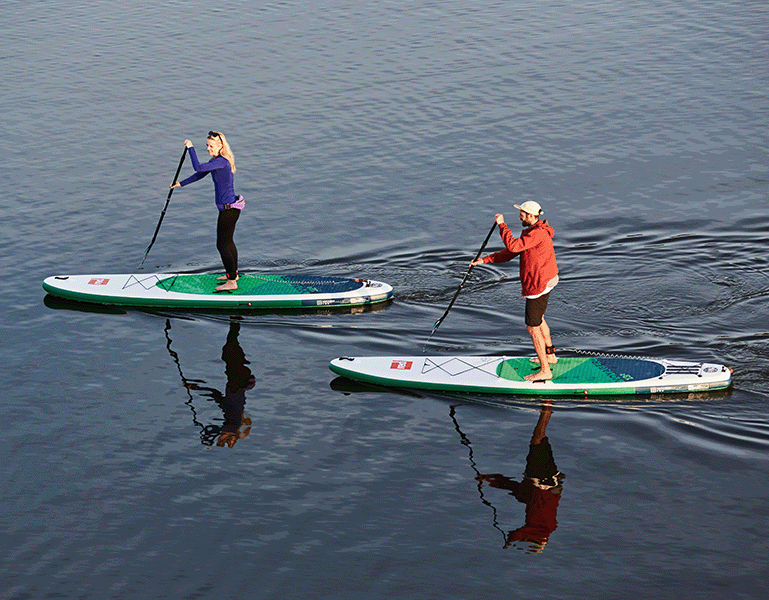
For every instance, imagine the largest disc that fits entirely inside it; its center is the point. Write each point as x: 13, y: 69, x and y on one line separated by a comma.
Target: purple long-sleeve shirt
x: 221, y: 173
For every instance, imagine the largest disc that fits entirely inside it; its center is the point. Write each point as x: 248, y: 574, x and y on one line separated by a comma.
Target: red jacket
x: 535, y: 247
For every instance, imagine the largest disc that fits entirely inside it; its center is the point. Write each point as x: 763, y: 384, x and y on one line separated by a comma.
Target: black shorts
x: 535, y: 310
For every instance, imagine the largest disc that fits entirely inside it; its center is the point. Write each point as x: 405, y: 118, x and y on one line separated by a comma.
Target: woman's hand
x: 175, y: 184
x: 188, y: 143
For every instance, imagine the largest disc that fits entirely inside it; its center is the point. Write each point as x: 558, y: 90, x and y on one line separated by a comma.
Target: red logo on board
x: 98, y: 281
x: 401, y: 365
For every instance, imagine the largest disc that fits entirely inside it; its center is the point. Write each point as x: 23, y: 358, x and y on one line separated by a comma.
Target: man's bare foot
x: 551, y: 359
x: 542, y: 375
x: 229, y: 285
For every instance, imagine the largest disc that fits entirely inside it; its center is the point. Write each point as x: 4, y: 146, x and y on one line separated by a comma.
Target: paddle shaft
x: 464, y: 279
x: 168, y: 199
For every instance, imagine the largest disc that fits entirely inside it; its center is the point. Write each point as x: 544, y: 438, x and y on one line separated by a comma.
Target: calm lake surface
x: 378, y: 140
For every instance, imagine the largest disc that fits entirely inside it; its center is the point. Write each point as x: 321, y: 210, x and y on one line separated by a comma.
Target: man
x: 539, y: 275
x: 540, y: 489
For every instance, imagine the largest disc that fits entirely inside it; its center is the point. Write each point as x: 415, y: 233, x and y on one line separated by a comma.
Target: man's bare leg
x: 538, y: 337
x: 551, y: 358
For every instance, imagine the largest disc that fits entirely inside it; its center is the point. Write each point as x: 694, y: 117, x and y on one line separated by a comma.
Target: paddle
x: 168, y: 199
x: 464, y: 279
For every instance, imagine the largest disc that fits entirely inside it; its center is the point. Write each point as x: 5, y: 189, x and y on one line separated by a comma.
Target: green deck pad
x: 584, y: 370
x: 260, y: 285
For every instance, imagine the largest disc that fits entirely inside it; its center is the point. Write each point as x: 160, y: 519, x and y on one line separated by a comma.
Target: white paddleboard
x: 593, y: 375
x: 197, y: 290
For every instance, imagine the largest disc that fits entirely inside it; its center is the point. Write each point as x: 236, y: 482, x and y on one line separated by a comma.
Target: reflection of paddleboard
x: 196, y: 290
x: 503, y: 375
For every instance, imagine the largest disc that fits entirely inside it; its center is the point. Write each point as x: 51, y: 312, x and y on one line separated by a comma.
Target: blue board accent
x: 629, y: 369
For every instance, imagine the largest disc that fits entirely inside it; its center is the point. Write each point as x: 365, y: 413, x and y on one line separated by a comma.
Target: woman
x: 222, y: 168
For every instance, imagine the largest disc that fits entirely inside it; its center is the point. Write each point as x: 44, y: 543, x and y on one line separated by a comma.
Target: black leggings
x: 225, y: 228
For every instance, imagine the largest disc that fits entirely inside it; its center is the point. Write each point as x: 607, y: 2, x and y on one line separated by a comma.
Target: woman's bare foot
x: 229, y: 285
x: 224, y: 277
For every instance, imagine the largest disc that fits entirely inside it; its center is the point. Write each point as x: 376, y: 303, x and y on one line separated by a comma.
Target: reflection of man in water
x: 233, y: 401
x: 540, y: 489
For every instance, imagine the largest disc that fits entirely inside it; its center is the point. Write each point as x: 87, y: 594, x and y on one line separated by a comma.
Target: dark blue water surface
x: 378, y: 140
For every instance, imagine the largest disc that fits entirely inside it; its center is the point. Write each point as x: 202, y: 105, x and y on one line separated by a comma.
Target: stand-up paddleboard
x: 594, y: 375
x: 197, y: 290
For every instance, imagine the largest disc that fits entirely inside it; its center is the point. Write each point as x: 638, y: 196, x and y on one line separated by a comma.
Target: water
x: 379, y: 140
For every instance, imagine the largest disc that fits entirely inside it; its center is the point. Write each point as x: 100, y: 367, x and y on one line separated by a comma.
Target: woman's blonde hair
x: 226, y: 152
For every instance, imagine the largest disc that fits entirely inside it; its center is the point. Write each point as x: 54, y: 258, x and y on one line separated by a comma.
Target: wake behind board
x: 572, y: 376
x: 196, y: 291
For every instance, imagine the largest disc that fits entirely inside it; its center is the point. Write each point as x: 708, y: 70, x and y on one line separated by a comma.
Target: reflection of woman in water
x: 233, y: 401
x: 540, y: 489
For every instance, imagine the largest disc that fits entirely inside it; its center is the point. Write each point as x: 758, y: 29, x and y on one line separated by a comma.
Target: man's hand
x: 227, y: 438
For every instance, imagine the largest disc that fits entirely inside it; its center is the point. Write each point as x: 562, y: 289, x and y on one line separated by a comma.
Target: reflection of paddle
x: 461, y: 285
x: 168, y: 199
x: 187, y: 383
x: 478, y: 477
